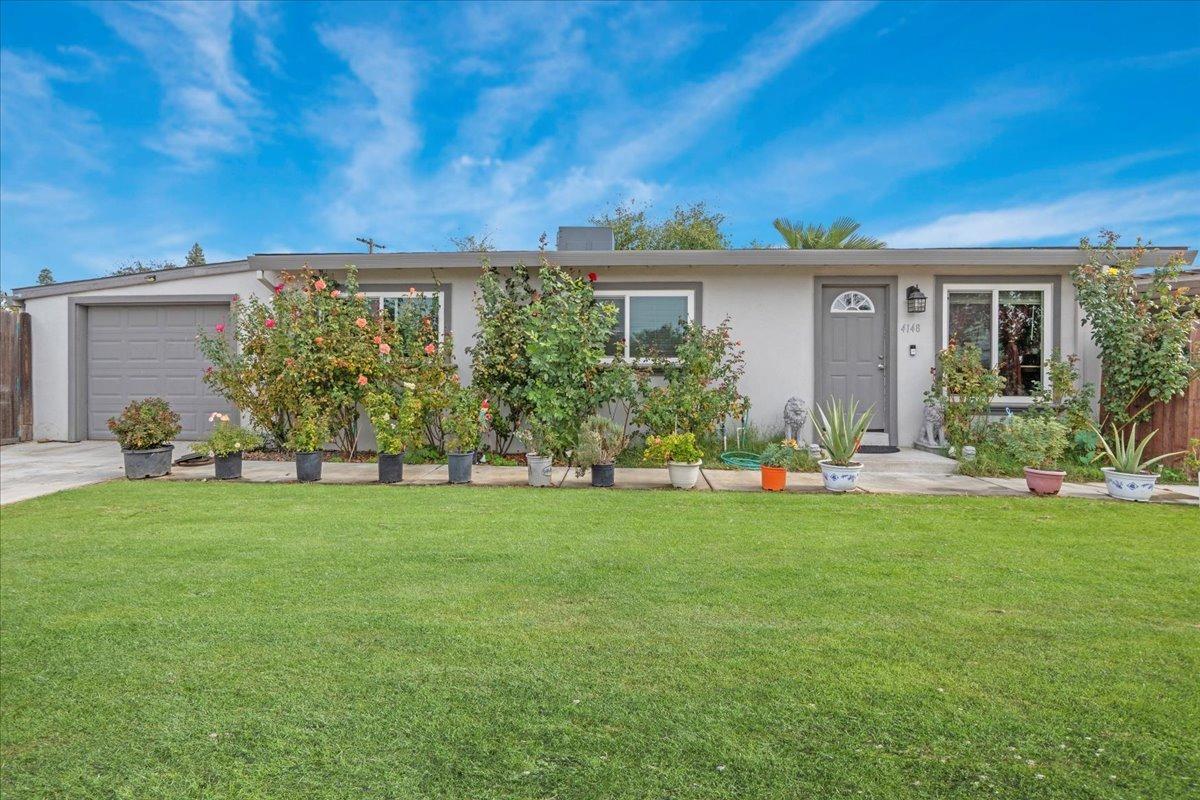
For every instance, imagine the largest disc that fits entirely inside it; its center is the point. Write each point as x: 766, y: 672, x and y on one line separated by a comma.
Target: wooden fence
x: 16, y: 378
x: 1178, y: 421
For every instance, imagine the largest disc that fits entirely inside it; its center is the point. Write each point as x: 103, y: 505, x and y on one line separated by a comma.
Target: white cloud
x: 1130, y: 209
x: 208, y: 105
x: 38, y: 128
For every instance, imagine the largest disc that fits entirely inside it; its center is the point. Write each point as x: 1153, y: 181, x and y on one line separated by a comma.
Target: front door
x: 853, y: 360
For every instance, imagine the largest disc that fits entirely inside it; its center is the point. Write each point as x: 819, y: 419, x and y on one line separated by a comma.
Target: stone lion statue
x: 934, y: 431
x: 795, y: 417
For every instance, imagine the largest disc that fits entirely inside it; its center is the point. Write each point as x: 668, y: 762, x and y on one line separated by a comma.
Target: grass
x: 200, y: 640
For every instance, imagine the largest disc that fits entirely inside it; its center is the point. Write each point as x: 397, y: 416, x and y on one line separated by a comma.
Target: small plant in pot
x: 226, y: 443
x: 540, y: 463
x: 464, y: 427
x: 144, y: 430
x: 1038, y: 443
x: 840, y: 428
x: 681, y: 454
x: 308, y: 435
x: 396, y: 417
x: 777, y: 459
x: 600, y: 442
x: 1128, y: 477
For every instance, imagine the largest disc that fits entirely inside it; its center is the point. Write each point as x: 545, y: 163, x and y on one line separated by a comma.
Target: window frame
x: 439, y: 294
x: 627, y: 294
x: 995, y: 288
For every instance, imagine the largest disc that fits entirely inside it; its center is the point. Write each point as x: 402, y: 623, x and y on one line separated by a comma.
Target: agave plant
x: 841, y: 235
x: 841, y: 429
x: 1124, y: 453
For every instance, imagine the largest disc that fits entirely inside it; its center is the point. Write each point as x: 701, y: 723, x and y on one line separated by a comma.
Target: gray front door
x: 853, y: 362
x: 140, y: 351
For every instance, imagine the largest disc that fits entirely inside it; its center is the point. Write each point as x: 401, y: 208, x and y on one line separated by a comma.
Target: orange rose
x: 361, y: 322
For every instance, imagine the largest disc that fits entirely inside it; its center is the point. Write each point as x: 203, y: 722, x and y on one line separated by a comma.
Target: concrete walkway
x: 30, y: 470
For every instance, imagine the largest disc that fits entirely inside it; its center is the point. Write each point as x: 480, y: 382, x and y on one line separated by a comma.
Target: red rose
x: 270, y: 323
x: 278, y: 288
x: 592, y: 277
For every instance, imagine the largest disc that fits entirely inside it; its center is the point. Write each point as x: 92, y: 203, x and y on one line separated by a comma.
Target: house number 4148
x: 910, y: 327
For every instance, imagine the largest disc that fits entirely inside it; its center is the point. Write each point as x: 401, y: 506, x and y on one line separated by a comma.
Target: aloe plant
x: 841, y: 429
x: 1124, y: 453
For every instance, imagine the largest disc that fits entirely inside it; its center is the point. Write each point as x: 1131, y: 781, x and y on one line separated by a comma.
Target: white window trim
x: 870, y: 304
x: 440, y: 295
x: 625, y: 294
x: 1048, y: 301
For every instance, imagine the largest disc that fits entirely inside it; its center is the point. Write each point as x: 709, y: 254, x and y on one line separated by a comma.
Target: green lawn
x: 200, y: 640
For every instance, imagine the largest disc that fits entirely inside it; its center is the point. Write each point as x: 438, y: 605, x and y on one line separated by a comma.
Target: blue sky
x: 132, y: 130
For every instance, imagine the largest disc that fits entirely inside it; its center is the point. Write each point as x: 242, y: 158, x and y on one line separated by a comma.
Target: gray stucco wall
x: 772, y: 309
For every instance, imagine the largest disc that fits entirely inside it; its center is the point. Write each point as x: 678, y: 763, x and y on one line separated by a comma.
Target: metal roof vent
x: 584, y: 237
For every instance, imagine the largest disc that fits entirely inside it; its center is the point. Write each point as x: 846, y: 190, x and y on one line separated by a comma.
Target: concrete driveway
x: 30, y: 469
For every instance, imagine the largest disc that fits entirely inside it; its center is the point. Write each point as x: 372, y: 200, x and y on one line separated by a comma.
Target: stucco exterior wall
x: 771, y: 308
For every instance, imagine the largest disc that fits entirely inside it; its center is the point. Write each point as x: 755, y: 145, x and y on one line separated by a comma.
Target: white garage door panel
x: 150, y: 351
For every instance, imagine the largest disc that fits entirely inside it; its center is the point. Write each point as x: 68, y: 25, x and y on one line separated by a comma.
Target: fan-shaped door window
x: 852, y: 302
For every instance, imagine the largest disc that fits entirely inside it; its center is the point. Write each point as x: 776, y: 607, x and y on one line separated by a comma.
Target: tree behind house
x: 195, y: 256
x: 841, y: 235
x: 45, y: 277
x: 692, y: 227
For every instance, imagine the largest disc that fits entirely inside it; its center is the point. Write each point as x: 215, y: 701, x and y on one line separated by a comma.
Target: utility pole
x: 371, y: 244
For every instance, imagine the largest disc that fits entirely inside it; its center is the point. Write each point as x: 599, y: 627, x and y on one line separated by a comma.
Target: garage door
x: 135, y: 352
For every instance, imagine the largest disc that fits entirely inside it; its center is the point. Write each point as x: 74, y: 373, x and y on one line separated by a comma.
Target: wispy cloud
x: 1141, y: 208
x: 208, y: 105
x: 37, y: 126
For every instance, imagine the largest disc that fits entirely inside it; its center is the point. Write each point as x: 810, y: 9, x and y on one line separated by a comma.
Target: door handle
x: 880, y: 365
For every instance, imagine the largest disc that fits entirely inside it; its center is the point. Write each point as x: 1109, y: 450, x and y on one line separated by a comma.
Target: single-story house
x: 814, y: 323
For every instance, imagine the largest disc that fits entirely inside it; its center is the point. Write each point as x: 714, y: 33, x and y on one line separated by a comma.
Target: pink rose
x: 361, y: 322
x: 278, y: 288
x: 319, y: 284
x: 430, y: 349
x: 237, y: 297
x: 385, y: 348
x: 335, y: 294
x: 220, y: 327
x: 320, y: 340
x: 378, y: 340
x: 362, y: 380
x: 359, y: 295
x: 270, y: 323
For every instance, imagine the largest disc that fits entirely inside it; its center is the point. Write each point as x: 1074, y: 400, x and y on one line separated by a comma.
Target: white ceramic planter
x: 1124, y: 486
x: 683, y: 476
x: 840, y: 479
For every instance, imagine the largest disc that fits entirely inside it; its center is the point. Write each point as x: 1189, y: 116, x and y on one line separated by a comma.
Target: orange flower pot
x: 774, y: 479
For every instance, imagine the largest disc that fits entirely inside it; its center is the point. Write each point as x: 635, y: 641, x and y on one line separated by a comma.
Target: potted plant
x: 775, y: 461
x: 1037, y: 443
x: 396, y: 417
x: 840, y: 428
x: 226, y: 443
x: 308, y: 435
x: 600, y: 442
x: 144, y: 430
x: 465, y: 423
x: 540, y: 463
x: 680, y: 453
x: 1128, y: 477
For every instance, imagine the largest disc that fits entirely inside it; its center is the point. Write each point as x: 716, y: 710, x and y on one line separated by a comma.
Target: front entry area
x: 853, y: 352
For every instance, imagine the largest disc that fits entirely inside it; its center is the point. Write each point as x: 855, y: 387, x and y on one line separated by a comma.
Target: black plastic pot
x: 308, y: 466
x: 603, y: 475
x: 391, y: 467
x: 152, y: 463
x: 460, y: 467
x: 229, y: 467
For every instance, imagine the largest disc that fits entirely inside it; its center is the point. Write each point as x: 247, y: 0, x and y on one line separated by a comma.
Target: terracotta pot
x: 774, y: 479
x: 1044, y: 481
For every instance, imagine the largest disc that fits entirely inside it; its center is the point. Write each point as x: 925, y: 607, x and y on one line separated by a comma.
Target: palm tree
x: 840, y: 236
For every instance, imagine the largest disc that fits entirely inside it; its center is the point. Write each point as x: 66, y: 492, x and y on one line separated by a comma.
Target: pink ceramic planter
x: 1044, y: 481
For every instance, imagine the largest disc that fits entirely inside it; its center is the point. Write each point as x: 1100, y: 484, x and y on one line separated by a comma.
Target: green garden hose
x: 741, y: 459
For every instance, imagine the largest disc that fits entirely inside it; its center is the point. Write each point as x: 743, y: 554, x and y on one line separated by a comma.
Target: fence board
x: 16, y: 378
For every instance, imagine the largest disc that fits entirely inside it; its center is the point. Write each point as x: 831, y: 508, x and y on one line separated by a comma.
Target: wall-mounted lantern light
x: 916, y: 300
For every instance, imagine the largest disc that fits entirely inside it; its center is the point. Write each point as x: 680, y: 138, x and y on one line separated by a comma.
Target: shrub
x: 145, y: 424
x: 425, y: 359
x: 1063, y: 398
x: 466, y: 421
x: 600, y: 442
x: 1034, y: 441
x: 569, y: 378
x: 396, y: 417
x: 963, y: 388
x: 700, y: 385
x: 500, y: 356
x: 678, y: 447
x: 1143, y: 332
x: 788, y: 454
x: 226, y: 438
x: 311, y: 429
